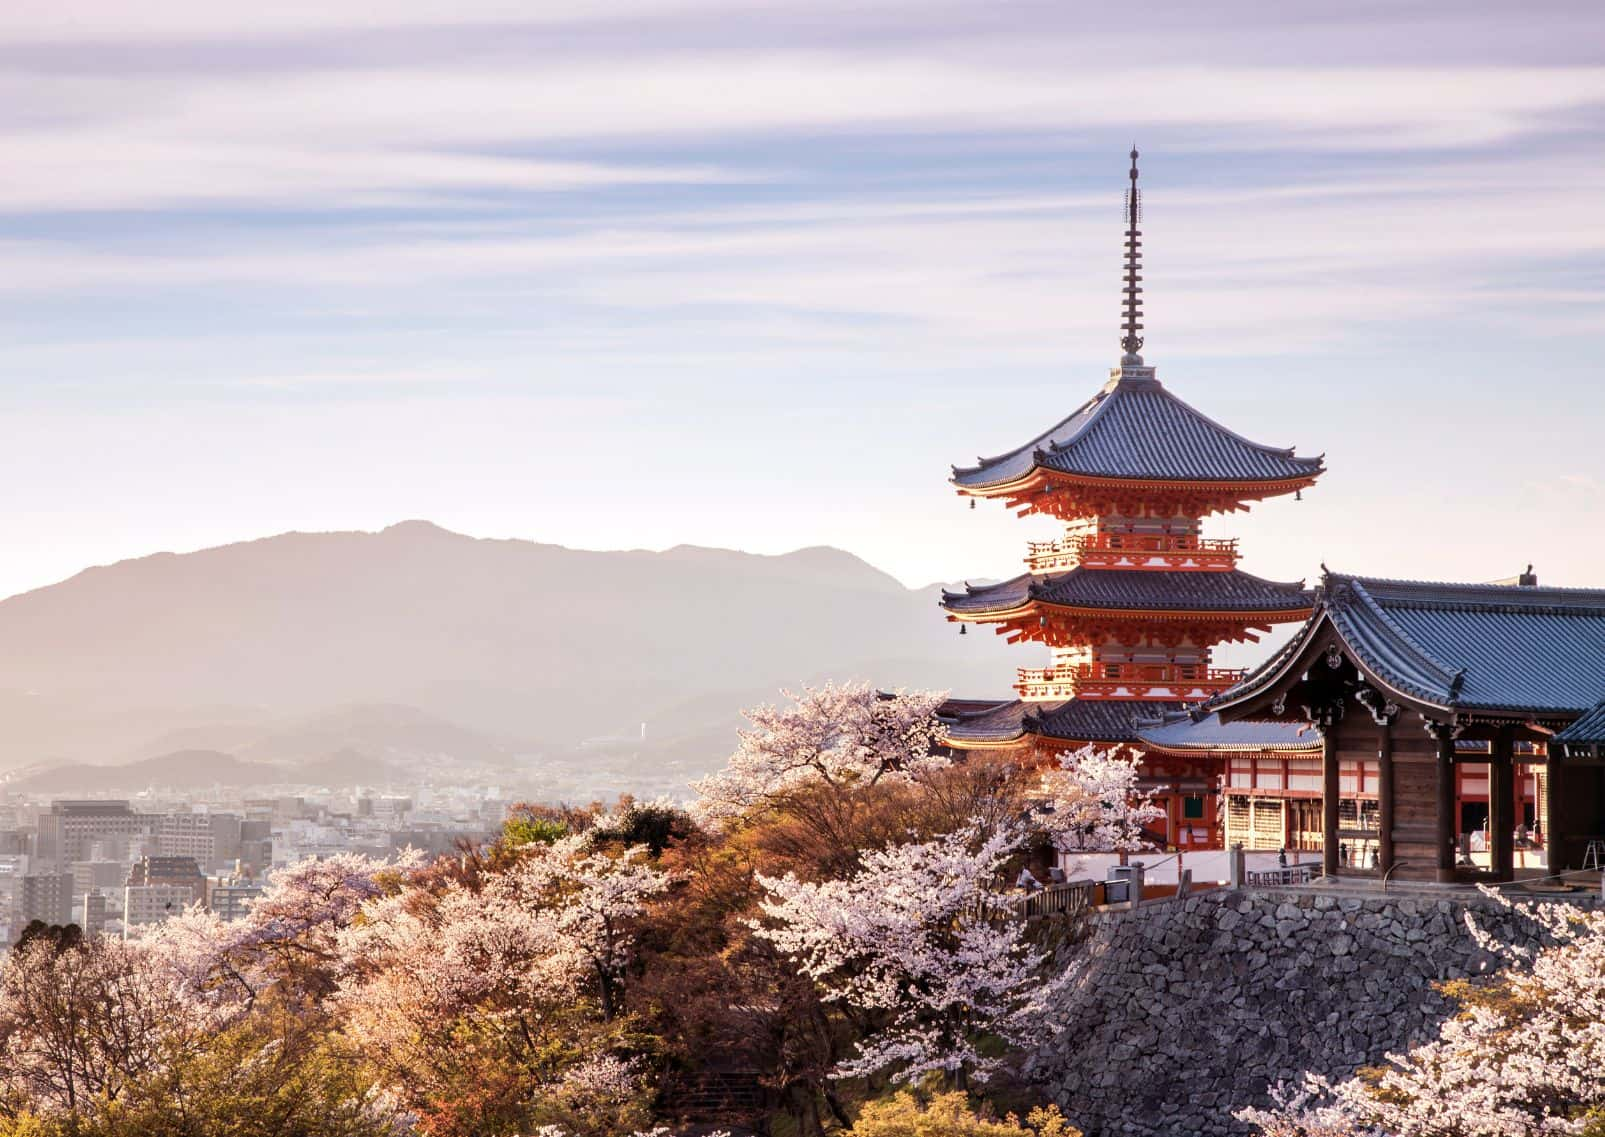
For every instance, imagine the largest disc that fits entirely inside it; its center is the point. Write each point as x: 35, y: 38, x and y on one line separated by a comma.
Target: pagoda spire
x: 1130, y: 340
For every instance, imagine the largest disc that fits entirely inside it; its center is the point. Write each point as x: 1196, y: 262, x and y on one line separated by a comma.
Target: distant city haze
x: 644, y: 274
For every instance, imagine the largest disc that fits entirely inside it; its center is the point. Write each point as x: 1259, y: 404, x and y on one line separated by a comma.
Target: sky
x: 654, y: 272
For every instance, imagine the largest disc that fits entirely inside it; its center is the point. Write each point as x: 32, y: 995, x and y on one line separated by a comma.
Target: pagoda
x: 1131, y: 600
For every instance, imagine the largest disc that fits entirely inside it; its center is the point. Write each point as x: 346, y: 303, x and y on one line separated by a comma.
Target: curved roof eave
x: 1088, y: 409
x: 1361, y: 649
x: 1156, y: 428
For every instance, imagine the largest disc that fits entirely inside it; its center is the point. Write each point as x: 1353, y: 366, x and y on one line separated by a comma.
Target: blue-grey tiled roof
x: 1135, y: 589
x: 1078, y: 720
x: 1181, y: 732
x: 1135, y: 428
x: 971, y: 720
x: 1477, y: 645
x: 1468, y: 646
x: 1095, y: 720
x: 1158, y: 723
x: 1588, y: 729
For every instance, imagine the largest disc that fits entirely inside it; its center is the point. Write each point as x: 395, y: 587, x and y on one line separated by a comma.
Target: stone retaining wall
x: 1191, y: 1009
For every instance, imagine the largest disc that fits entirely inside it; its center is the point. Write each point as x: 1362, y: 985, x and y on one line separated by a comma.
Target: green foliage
x: 652, y: 824
x: 248, y: 1081
x: 951, y: 1115
x: 526, y: 830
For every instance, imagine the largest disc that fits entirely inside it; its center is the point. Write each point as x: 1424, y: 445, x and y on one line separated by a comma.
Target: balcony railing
x: 1122, y: 680
x: 1135, y: 550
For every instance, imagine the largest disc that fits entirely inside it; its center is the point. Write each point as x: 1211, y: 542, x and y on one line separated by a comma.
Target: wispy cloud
x: 856, y: 215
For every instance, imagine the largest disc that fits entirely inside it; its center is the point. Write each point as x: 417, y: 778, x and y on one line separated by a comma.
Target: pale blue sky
x: 665, y: 271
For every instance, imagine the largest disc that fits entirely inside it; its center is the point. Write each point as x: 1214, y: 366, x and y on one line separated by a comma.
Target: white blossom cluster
x: 1092, y: 803
x: 837, y: 734
x: 911, y: 935
x: 220, y: 966
x: 550, y: 928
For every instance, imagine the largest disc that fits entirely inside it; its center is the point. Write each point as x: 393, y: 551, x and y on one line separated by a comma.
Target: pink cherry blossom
x: 1092, y: 803
x: 915, y: 934
x: 837, y: 734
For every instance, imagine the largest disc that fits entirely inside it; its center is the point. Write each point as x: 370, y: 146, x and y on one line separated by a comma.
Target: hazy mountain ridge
x: 200, y: 769
x: 415, y: 642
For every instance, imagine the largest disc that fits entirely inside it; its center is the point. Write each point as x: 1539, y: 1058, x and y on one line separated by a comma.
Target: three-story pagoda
x: 1132, y: 599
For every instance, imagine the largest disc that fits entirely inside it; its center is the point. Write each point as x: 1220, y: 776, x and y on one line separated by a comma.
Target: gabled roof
x: 1075, y: 720
x: 1493, y: 647
x: 1590, y: 729
x: 1094, y: 720
x: 1151, y: 722
x: 1135, y: 590
x: 1178, y: 731
x: 1134, y: 428
x: 975, y: 720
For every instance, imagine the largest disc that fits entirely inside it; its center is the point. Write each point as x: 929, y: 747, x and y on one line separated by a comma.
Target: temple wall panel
x: 1577, y: 810
x: 1415, y: 801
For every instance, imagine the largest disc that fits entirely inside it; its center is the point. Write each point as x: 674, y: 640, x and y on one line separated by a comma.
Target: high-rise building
x: 213, y: 839
x: 231, y: 899
x: 256, y: 845
x: 175, y: 872
x: 1132, y: 599
x: 98, y: 876
x: 46, y: 897
x: 153, y: 903
x: 94, y: 913
x: 12, y: 869
x: 69, y: 829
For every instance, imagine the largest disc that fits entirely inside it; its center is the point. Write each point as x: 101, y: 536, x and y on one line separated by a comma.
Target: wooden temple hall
x: 1429, y: 731
x: 1455, y: 720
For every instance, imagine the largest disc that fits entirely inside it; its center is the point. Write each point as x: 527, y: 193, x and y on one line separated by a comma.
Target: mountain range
x: 416, y: 645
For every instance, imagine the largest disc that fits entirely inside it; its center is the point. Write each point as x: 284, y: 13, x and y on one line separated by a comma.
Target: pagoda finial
x: 1130, y: 340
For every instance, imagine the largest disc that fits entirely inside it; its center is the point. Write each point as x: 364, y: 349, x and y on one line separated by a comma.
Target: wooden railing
x: 1100, y: 678
x: 1071, y: 898
x: 1135, y: 673
x: 1049, y: 556
x: 1071, y: 550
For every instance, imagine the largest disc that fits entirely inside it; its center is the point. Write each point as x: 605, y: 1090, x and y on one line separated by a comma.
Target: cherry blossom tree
x: 657, y: 1131
x: 914, y: 934
x: 1526, y: 1055
x: 1093, y: 804
x: 589, y: 900
x: 290, y: 933
x: 498, y: 1001
x: 841, y: 736
x: 83, y: 1023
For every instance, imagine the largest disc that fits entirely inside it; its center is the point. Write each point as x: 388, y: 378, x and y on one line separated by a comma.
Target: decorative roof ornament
x: 1130, y: 341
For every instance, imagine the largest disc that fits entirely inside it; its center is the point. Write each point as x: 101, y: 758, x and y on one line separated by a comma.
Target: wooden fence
x: 1069, y: 899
